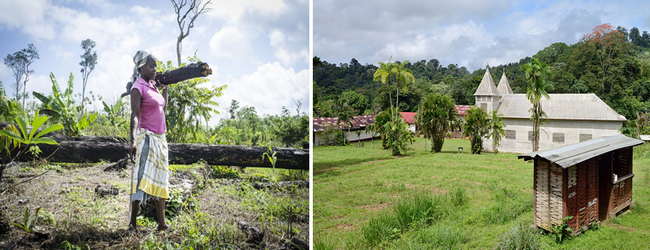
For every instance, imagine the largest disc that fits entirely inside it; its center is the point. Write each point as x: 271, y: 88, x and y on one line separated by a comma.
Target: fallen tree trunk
x: 187, y: 72
x: 94, y: 150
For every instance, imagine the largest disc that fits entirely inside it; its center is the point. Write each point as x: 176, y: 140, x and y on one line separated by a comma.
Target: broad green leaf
x: 49, y: 129
x: 36, y: 123
x: 22, y: 124
x: 13, y: 136
x: 45, y: 140
x: 106, y: 108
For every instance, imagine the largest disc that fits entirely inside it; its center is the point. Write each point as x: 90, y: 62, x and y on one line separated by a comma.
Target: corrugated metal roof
x: 571, y: 155
x: 504, y: 86
x: 561, y: 107
x: 408, y: 117
x: 360, y: 121
x: 462, y: 109
x: 645, y: 137
x: 487, y: 86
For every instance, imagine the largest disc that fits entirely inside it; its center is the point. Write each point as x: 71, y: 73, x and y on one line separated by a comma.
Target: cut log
x: 186, y: 72
x: 82, y: 151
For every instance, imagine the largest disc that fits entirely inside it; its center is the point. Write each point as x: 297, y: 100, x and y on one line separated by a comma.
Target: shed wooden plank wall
x: 621, y: 194
x: 548, y: 194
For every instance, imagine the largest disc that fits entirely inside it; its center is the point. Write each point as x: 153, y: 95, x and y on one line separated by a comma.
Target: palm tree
x: 404, y: 76
x: 344, y: 113
x: 358, y: 132
x: 371, y: 128
x: 434, y: 117
x: 476, y: 123
x: 383, y: 74
x: 536, y: 74
x: 495, y: 126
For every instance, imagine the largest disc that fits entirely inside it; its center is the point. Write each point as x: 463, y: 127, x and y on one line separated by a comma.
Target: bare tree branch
x: 193, y: 11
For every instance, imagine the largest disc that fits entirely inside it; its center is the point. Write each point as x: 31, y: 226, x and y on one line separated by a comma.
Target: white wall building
x: 572, y: 118
x: 358, y: 123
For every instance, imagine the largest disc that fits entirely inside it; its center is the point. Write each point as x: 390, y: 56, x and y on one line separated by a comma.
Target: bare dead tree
x: 19, y: 62
x: 186, y: 17
x: 298, y: 105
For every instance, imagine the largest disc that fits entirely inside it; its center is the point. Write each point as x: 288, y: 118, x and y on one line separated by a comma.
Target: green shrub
x: 520, y: 237
x: 380, y: 229
x: 224, y: 172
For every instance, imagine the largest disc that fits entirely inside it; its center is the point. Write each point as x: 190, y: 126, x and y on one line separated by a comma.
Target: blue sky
x: 260, y: 49
x: 465, y: 32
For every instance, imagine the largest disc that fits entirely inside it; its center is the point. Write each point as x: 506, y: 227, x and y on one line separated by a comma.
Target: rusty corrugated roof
x: 571, y: 155
x: 358, y: 122
x: 462, y: 109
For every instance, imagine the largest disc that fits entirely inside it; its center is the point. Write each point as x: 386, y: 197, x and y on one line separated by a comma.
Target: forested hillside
x: 612, y: 63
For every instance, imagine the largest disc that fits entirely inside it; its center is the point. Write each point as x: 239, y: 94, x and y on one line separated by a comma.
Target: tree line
x: 612, y: 63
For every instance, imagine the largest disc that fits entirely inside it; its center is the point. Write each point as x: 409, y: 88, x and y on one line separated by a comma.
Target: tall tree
x: 434, y: 117
x: 344, y: 113
x: 404, y: 76
x: 186, y: 17
x: 19, y: 63
x: 475, y: 126
x: 88, y: 62
x: 372, y: 129
x: 536, y: 74
x: 495, y: 128
x: 383, y: 74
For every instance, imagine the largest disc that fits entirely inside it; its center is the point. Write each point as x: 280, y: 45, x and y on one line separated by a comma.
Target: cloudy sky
x: 259, y: 48
x: 465, y: 32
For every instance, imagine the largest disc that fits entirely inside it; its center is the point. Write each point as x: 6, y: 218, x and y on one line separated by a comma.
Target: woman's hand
x: 132, y: 150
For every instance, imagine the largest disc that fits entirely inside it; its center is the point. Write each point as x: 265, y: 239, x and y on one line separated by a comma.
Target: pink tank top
x: 152, y: 112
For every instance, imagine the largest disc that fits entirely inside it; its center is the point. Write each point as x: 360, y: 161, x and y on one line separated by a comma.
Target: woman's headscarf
x: 140, y: 59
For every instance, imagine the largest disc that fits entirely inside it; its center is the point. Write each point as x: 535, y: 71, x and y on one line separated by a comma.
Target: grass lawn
x: 357, y: 189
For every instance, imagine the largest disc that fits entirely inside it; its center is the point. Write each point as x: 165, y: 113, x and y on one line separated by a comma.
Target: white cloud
x: 231, y: 11
x: 274, y: 86
x: 27, y: 16
x: 231, y: 42
x: 288, y: 55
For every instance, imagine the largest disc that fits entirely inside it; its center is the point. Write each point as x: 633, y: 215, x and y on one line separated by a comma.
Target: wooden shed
x: 590, y: 180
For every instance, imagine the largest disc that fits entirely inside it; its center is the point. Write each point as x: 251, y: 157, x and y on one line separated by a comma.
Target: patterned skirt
x: 152, y: 171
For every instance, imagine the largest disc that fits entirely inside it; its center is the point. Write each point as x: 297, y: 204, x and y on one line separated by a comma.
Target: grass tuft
x: 520, y: 237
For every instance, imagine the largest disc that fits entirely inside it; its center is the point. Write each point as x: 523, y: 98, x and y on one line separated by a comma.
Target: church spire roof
x: 504, y: 86
x: 487, y: 86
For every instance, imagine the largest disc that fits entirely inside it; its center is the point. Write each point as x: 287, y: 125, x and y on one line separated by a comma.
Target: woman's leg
x: 134, y: 214
x: 160, y: 212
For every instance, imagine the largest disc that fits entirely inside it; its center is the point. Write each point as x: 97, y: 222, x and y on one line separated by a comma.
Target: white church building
x: 572, y: 118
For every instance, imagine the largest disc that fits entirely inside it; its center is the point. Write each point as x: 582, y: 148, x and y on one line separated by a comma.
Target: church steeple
x: 504, y: 86
x: 487, y: 95
x: 487, y: 87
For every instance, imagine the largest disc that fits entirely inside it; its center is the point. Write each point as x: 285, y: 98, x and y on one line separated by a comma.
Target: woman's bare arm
x: 135, y: 117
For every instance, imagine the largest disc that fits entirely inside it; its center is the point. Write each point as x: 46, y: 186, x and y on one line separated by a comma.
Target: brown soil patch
x: 344, y: 226
x: 320, y: 171
x: 623, y: 227
x: 375, y: 207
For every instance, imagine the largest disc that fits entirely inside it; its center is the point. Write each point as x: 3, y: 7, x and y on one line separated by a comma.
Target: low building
x: 359, y: 123
x: 590, y: 181
x: 409, y: 118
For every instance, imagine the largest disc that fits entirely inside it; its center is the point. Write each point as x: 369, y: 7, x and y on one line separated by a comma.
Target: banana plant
x: 24, y: 137
x: 114, y: 112
x: 61, y: 107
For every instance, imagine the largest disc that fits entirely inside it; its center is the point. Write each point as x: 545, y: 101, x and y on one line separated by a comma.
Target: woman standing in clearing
x: 148, y: 141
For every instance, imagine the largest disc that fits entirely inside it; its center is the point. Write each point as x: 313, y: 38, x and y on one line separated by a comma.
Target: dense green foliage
x: 476, y: 127
x: 246, y: 127
x: 612, y: 63
x: 434, y: 117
